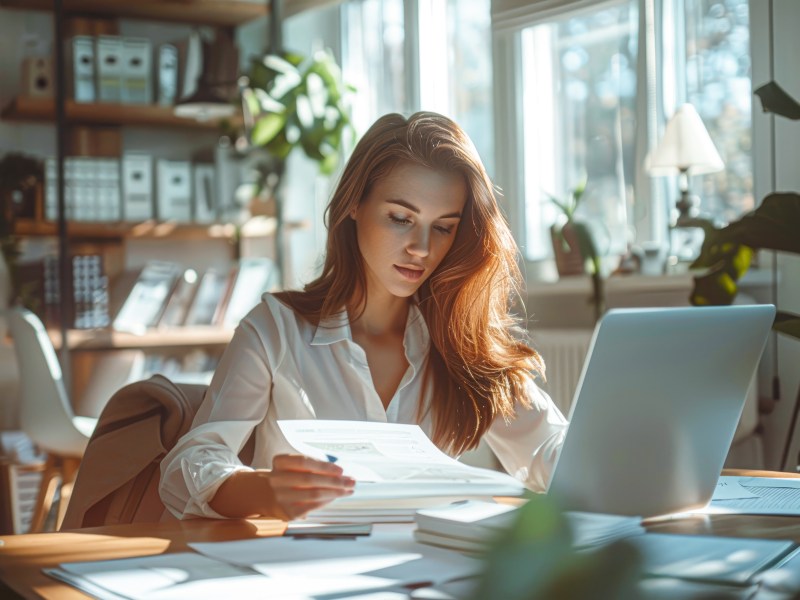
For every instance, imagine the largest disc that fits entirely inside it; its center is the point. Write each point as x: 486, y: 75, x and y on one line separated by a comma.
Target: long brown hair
x: 477, y: 365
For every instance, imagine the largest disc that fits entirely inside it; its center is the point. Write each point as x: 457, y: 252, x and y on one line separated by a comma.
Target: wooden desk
x: 22, y: 557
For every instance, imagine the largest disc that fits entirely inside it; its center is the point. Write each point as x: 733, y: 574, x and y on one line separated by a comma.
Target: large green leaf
x: 788, y: 323
x: 727, y: 252
x: 534, y: 559
x: 775, y: 225
x: 267, y: 127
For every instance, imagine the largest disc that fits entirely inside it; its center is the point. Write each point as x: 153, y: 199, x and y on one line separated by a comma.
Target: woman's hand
x: 295, y: 486
x: 299, y: 484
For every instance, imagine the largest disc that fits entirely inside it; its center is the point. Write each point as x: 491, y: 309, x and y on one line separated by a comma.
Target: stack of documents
x: 396, y: 467
x: 468, y: 526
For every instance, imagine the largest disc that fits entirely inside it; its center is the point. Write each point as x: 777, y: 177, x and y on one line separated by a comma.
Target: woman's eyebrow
x: 414, y: 209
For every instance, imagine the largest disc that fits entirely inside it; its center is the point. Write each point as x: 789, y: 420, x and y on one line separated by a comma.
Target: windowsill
x: 567, y: 301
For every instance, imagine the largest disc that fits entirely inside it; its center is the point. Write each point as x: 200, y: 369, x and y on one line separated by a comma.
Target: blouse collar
x: 415, y: 340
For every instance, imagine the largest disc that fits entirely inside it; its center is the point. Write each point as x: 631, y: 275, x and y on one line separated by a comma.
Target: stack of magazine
x: 470, y: 525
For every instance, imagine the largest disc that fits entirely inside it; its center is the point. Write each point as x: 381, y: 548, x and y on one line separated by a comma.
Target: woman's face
x: 406, y: 225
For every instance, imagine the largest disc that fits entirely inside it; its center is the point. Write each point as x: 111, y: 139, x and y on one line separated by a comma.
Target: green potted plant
x: 293, y: 101
x: 534, y: 559
x: 574, y: 246
x: 727, y: 252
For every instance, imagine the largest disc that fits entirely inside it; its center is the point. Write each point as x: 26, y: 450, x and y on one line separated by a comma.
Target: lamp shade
x: 686, y: 146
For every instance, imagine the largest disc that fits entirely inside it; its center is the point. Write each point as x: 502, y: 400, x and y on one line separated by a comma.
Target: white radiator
x: 563, y: 351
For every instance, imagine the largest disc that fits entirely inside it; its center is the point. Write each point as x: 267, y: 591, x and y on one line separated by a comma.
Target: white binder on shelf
x: 205, y: 193
x: 137, y: 187
x: 109, y: 68
x: 174, y: 195
x: 82, y: 65
x: 107, y: 181
x: 167, y: 74
x: 137, y: 71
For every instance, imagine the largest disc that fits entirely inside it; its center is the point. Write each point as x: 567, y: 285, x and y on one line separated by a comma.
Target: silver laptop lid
x: 656, y: 407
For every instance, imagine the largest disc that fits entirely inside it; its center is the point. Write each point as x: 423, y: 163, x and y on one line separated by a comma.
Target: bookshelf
x: 223, y: 13
x: 112, y: 240
x: 143, y: 115
x: 173, y: 338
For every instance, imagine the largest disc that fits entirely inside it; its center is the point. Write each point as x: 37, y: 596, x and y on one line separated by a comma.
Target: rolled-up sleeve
x: 236, y: 402
x: 528, y: 445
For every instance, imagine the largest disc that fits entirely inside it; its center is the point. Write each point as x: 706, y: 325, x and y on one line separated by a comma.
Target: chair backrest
x: 45, y: 412
x: 120, y: 470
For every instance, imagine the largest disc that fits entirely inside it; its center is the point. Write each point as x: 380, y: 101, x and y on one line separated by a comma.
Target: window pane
x: 718, y: 84
x: 456, y: 67
x: 374, y: 58
x: 579, y: 87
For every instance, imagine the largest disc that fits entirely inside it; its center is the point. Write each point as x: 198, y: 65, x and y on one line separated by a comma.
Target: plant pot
x: 567, y: 251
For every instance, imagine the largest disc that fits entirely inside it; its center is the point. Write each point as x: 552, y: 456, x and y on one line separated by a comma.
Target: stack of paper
x: 469, y: 526
x: 396, y: 467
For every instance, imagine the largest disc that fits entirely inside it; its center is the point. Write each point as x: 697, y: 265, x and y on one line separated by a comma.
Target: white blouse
x: 279, y: 366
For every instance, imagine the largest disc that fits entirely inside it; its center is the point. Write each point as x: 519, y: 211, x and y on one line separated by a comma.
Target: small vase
x: 567, y: 251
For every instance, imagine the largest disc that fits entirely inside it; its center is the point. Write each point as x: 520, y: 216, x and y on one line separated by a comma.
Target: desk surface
x: 22, y: 557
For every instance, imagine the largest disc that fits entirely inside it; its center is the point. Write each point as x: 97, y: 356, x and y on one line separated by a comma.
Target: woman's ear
x: 353, y: 214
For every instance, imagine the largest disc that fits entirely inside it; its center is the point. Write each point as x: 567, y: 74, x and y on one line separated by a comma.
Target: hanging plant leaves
x: 787, y: 323
x: 267, y: 127
x: 776, y: 100
x: 300, y: 104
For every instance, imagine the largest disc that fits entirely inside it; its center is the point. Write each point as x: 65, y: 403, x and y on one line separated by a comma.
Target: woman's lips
x: 410, y: 274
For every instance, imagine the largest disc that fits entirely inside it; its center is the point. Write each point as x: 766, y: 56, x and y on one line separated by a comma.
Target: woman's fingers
x: 299, y: 462
x: 301, y: 484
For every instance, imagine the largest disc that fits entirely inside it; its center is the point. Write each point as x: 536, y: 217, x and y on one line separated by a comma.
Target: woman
x: 409, y: 322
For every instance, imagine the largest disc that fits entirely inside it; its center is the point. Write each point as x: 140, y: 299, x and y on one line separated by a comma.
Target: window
x: 579, y: 90
x: 412, y: 55
x: 593, y: 87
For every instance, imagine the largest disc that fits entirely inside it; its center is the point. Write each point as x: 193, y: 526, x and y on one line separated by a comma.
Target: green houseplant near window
x: 775, y: 225
x: 293, y: 101
x: 574, y: 246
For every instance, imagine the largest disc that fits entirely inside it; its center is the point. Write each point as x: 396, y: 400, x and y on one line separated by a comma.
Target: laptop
x: 656, y: 408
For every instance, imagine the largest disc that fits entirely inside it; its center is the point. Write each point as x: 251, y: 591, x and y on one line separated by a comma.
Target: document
x: 164, y: 577
x: 756, y: 496
x: 392, y: 463
x: 386, y: 559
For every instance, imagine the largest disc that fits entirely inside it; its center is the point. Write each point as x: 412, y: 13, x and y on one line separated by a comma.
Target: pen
x: 331, y: 458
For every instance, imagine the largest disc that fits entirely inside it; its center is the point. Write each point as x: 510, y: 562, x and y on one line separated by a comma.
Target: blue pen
x: 331, y: 458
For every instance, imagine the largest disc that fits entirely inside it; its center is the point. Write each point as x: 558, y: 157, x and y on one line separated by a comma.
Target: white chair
x: 46, y: 415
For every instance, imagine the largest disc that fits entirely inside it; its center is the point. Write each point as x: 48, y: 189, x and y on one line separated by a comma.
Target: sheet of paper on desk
x: 392, y: 461
x: 389, y: 557
x: 166, y: 577
x: 709, y: 558
x: 760, y: 496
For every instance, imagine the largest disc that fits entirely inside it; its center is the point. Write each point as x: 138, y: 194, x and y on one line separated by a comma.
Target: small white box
x: 82, y: 50
x: 137, y: 187
x: 137, y: 71
x: 174, y: 185
x: 109, y: 68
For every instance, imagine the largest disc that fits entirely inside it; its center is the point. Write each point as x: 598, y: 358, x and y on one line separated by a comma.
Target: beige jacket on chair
x: 119, y: 474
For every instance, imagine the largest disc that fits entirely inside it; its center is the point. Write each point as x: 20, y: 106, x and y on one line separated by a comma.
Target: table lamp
x: 685, y: 148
